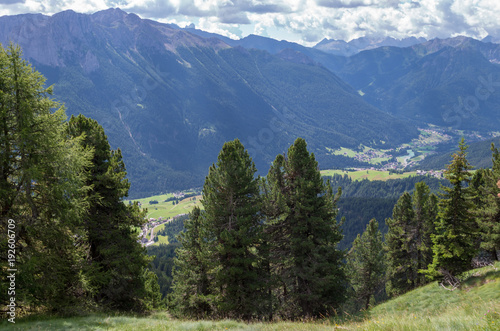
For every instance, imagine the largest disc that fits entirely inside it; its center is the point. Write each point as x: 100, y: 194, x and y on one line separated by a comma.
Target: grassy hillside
x: 168, y: 209
x: 475, y: 306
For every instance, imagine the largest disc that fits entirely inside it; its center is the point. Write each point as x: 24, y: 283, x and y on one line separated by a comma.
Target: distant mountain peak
x: 340, y: 47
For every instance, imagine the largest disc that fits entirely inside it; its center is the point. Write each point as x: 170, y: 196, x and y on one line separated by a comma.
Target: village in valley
x: 162, y: 210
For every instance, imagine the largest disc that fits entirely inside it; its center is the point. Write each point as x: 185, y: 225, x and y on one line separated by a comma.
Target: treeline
x: 363, y: 200
x: 72, y: 241
x: 391, y: 188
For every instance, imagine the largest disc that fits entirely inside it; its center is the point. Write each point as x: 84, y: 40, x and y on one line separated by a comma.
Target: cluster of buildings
x: 433, y: 173
x: 148, y: 229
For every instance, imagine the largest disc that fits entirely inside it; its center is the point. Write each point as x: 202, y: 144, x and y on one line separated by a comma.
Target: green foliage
x: 454, y: 242
x: 485, y: 186
x: 41, y: 189
x: 116, y: 261
x: 163, y: 264
x: 232, y: 204
x: 191, y: 293
x: 474, y: 307
x: 408, y: 240
x: 366, y: 263
x: 302, y: 233
x: 363, y: 200
x: 173, y: 228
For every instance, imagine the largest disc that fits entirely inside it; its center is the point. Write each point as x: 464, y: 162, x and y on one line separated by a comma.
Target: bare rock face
x: 68, y: 38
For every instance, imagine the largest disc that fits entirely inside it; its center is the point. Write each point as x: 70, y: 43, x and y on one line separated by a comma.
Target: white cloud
x: 306, y: 20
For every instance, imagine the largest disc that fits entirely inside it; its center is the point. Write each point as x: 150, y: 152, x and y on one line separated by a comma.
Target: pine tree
x: 401, y: 269
x: 454, y: 243
x: 231, y: 200
x: 425, y: 206
x: 304, y: 234
x: 116, y: 261
x: 41, y: 189
x: 366, y: 263
x: 191, y: 292
x: 486, y: 188
x: 408, y: 240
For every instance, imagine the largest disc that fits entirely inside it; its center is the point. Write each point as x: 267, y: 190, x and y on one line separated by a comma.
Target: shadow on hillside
x: 479, y: 277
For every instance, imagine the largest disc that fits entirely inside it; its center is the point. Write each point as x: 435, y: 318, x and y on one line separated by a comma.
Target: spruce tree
x: 425, y: 206
x: 191, y: 292
x: 116, y: 261
x: 303, y: 255
x: 401, y: 269
x: 486, y: 186
x: 366, y: 263
x: 408, y: 240
x: 232, y: 204
x: 454, y: 243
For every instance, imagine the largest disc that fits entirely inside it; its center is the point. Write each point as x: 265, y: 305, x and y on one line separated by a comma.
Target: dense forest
x: 290, y: 246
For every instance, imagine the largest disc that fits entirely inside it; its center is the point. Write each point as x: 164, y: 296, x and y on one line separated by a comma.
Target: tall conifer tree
x: 191, y: 292
x: 41, y: 189
x: 454, y: 243
x: 366, y: 263
x: 408, y: 240
x: 487, y: 200
x: 232, y: 204
x: 401, y: 269
x: 304, y: 257
x: 116, y: 261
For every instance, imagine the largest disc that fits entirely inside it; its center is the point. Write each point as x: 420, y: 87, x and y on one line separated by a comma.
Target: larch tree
x: 42, y: 188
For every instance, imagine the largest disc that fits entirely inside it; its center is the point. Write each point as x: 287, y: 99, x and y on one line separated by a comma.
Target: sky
x: 303, y: 21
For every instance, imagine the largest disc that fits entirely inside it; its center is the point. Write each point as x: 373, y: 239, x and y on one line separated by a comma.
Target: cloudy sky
x: 303, y: 21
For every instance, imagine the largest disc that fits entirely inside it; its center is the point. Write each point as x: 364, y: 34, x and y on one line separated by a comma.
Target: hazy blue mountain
x: 170, y: 99
x: 343, y: 48
x: 273, y: 46
x: 478, y: 154
x: 452, y: 82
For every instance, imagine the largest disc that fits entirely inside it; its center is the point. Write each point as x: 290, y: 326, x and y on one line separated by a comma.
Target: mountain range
x: 169, y: 97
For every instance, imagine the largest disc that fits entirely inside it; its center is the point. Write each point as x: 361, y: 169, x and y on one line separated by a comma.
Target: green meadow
x: 168, y: 209
x: 368, y: 174
x: 473, y: 306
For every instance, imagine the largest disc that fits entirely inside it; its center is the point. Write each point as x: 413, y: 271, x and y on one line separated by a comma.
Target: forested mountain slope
x: 169, y: 99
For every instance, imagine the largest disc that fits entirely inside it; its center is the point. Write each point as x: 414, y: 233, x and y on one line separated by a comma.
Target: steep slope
x: 478, y: 154
x: 169, y: 99
x: 451, y: 82
x: 475, y: 305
